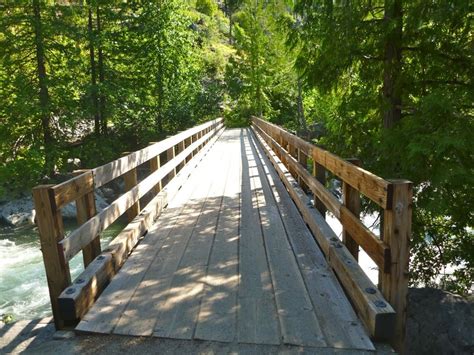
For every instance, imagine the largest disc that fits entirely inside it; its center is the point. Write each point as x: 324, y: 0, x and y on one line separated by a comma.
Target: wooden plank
x: 72, y: 189
x: 77, y: 299
x: 328, y: 199
x: 86, y: 209
x: 122, y: 245
x: 51, y: 231
x: 257, y: 315
x: 176, y: 318
x: 131, y: 180
x: 217, y: 318
x: 170, y: 154
x: 375, y: 248
x: 370, y: 185
x: 379, y: 320
x: 299, y: 324
x: 140, y: 315
x: 84, y: 234
x: 155, y: 164
x: 340, y: 325
x: 319, y: 172
x: 397, y: 233
x: 303, y: 160
x: 116, y: 168
x: 352, y: 201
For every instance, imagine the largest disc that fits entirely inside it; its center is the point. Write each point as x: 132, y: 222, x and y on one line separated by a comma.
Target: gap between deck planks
x: 230, y: 260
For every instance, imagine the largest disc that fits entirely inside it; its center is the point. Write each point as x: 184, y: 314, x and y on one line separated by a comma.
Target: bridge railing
x: 167, y: 171
x: 290, y: 155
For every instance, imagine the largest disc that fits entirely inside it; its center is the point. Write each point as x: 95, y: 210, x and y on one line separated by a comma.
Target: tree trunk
x: 392, y: 92
x: 230, y: 27
x: 301, y: 117
x: 48, y: 139
x: 159, y: 82
x: 103, y: 116
x: 94, y: 97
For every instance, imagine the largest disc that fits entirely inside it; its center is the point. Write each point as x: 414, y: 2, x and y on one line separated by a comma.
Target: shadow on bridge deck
x: 230, y: 260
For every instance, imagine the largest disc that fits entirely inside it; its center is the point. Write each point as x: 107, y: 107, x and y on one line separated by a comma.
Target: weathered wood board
x: 230, y: 260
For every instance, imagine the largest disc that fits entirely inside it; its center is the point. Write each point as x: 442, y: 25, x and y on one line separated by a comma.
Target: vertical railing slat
x: 51, y: 231
x: 352, y: 201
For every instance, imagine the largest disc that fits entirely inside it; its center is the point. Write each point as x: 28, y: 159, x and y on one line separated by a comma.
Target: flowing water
x: 23, y: 286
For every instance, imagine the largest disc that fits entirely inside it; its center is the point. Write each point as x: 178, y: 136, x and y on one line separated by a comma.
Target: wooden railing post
x: 352, y: 201
x: 86, y: 209
x: 131, y: 180
x: 397, y: 233
x: 180, y: 147
x: 51, y: 231
x: 303, y: 160
x: 155, y: 164
x: 294, y: 153
x: 319, y: 172
x: 170, y: 154
x: 188, y: 142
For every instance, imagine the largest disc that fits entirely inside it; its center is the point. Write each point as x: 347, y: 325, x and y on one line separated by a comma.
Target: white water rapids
x: 23, y: 285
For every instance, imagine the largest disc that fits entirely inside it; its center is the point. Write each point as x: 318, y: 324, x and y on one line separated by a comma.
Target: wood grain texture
x: 257, y: 311
x: 86, y: 209
x: 299, y: 324
x: 375, y: 248
x: 338, y: 321
x: 81, y: 236
x: 370, y: 185
x: 351, y: 199
x: 106, y: 313
x: 51, y: 231
x: 362, y: 292
x: 112, y: 170
x: 397, y: 233
x: 230, y: 259
x: 73, y: 189
x: 131, y: 180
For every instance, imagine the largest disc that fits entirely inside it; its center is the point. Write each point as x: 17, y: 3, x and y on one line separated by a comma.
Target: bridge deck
x: 230, y: 260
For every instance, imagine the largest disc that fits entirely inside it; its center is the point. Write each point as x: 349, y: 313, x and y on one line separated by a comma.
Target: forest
x: 387, y: 81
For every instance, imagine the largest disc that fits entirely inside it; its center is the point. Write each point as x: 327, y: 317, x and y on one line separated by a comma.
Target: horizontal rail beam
x: 106, y: 173
x: 370, y: 185
x: 377, y: 314
x: 77, y: 299
x: 83, y: 235
x: 374, y: 247
x: 68, y: 191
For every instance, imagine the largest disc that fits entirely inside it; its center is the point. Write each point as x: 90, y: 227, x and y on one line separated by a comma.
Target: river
x: 23, y: 286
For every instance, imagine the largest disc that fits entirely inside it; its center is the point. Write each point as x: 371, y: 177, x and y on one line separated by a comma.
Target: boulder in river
x: 21, y: 211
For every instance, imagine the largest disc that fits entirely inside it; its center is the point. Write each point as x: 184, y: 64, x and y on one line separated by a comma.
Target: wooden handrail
x: 100, y: 267
x: 390, y: 252
x: 370, y: 185
x: 374, y: 247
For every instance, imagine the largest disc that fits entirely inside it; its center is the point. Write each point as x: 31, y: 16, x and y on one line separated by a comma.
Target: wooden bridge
x: 232, y: 245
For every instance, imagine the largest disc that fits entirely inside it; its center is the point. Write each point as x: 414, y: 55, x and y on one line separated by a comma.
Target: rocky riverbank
x: 20, y: 211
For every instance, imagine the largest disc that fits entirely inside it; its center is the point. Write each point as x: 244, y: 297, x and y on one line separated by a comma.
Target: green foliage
x: 159, y: 67
x: 207, y: 7
x: 260, y: 78
x: 342, y: 53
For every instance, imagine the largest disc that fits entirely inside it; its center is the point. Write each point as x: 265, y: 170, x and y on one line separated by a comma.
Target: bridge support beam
x: 397, y: 233
x: 51, y: 230
x: 352, y: 202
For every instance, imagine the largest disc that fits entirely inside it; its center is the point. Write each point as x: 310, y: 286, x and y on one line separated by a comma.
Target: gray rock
x: 18, y: 212
x: 439, y: 323
x: 21, y: 211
